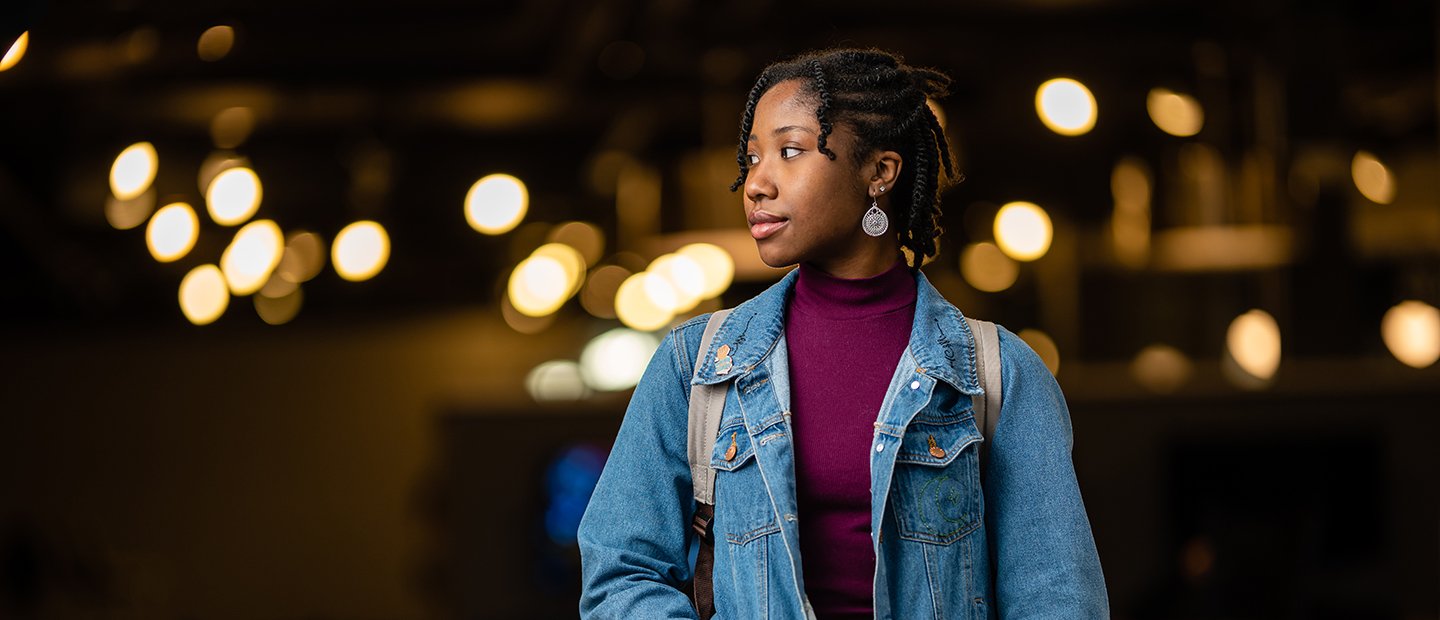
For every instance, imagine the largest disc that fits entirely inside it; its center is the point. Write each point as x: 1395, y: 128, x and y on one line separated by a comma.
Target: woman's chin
x: 776, y: 258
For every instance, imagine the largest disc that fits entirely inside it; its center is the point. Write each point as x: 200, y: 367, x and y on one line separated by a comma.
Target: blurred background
x: 330, y: 309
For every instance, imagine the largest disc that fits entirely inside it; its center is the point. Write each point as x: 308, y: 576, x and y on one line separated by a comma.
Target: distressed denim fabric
x: 950, y: 540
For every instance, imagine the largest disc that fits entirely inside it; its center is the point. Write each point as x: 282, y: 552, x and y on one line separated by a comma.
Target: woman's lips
x: 764, y: 224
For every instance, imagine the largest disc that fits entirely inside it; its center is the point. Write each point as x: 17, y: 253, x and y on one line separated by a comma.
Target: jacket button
x: 914, y: 385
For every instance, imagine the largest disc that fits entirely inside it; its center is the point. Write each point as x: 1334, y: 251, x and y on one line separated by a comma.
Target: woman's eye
x: 785, y: 150
x: 752, y: 159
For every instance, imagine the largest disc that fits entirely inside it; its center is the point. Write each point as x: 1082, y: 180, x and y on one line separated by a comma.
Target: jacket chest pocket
x: 936, y: 496
x: 743, y: 511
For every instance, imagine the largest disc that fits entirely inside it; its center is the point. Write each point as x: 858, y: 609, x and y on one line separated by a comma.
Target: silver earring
x: 875, y: 223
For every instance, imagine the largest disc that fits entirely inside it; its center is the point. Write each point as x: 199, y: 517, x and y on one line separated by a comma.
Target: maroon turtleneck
x: 845, y: 338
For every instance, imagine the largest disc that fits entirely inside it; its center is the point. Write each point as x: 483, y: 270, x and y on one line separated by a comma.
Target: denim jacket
x: 948, y: 544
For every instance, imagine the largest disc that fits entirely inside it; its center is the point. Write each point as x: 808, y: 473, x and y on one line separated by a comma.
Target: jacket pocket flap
x: 733, y: 448
x: 937, y: 445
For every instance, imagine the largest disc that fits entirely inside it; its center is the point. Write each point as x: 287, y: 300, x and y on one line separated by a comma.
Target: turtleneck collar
x: 820, y: 294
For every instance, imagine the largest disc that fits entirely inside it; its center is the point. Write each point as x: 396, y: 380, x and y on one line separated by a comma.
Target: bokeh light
x: 636, y: 305
x: 988, y: 269
x: 1411, y: 330
x: 556, y: 381
x: 250, y: 258
x: 215, y: 43
x: 1066, y: 106
x: 571, y: 260
x: 496, y: 203
x: 127, y: 214
x: 232, y: 126
x: 585, y: 237
x: 233, y: 196
x: 1253, y: 343
x: 133, y: 171
x: 204, y: 294
x: 598, y: 296
x: 523, y: 323
x: 1175, y: 113
x: 616, y: 359
x: 172, y: 232
x: 304, y: 257
x: 1161, y: 368
x: 360, y: 250
x: 539, y: 285
x: 1372, y: 178
x: 685, y: 277
x: 715, y: 263
x: 569, y: 482
x: 16, y: 52
x: 1023, y: 231
x: 1044, y: 346
x: 278, y: 308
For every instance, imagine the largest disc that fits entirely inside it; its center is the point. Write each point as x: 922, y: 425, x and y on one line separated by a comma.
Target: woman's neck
x: 871, y: 261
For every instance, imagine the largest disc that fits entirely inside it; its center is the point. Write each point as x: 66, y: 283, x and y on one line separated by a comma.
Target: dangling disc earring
x: 875, y: 223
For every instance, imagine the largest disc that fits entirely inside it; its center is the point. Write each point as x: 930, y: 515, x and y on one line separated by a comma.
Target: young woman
x: 848, y: 476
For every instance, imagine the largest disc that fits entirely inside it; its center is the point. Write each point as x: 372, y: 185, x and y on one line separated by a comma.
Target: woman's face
x: 801, y: 205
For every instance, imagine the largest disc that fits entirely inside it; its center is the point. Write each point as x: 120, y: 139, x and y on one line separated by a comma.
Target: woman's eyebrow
x: 785, y: 129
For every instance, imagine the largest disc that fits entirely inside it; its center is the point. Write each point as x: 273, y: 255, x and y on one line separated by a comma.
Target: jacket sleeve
x: 1045, y: 561
x: 635, y: 533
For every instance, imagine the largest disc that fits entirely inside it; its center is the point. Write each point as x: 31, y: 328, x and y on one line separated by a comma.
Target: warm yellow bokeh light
x: 360, y: 250
x: 279, y: 309
x: 16, y: 52
x: 496, y: 203
x: 232, y: 126
x: 539, y: 285
x: 215, y: 43
x: 127, y: 214
x: 304, y: 257
x: 556, y: 381
x: 1175, y: 113
x: 684, y: 276
x: 204, y: 295
x: 133, y: 171
x: 1253, y: 342
x: 1023, y: 230
x: 233, y: 196
x: 585, y: 237
x: 571, y: 259
x: 1044, y: 346
x: 636, y: 306
x: 615, y: 360
x: 988, y: 269
x: 1372, y: 178
x: 1161, y: 368
x: 1411, y: 331
x: 598, y: 296
x: 250, y: 258
x: 715, y: 263
x: 1066, y: 106
x: 172, y: 232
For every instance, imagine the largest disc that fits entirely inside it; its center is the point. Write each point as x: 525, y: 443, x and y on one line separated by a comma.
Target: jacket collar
x: 941, y: 344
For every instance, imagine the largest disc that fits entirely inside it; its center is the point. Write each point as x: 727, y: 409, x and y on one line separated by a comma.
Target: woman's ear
x: 885, y: 171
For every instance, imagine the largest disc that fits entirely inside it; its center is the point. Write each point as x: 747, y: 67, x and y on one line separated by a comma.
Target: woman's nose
x: 758, y: 185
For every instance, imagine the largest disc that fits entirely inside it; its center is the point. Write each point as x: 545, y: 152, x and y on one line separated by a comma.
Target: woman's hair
x: 884, y: 103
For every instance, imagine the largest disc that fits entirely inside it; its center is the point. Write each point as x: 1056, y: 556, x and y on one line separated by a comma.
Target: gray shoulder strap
x: 987, y: 357
x: 707, y: 403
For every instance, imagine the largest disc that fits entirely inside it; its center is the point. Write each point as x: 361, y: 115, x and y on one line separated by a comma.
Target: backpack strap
x: 987, y: 360
x: 707, y: 404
